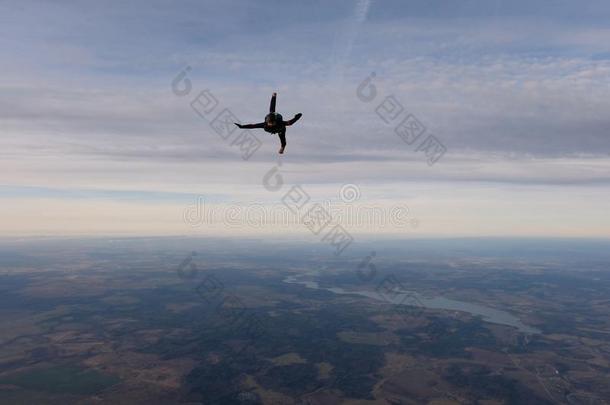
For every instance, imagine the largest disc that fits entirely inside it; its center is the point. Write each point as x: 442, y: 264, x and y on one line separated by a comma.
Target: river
x: 487, y: 314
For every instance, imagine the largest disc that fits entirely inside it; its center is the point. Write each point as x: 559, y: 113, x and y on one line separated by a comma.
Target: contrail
x: 345, y: 43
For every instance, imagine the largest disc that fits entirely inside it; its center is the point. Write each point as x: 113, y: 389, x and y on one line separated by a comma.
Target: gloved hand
x: 238, y: 125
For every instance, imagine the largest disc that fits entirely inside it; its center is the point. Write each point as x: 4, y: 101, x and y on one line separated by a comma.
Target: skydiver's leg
x: 282, y: 135
x: 292, y: 121
x: 272, y: 105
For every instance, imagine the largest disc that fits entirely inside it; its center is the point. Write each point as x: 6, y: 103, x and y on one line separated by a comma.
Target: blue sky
x: 517, y: 91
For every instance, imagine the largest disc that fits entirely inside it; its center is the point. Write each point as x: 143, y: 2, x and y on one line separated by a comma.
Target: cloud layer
x: 516, y: 91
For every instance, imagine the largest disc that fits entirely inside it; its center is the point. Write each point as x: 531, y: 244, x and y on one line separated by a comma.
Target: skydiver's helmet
x: 272, y: 119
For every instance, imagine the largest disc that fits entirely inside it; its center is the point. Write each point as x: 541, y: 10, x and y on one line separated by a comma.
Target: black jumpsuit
x: 279, y: 127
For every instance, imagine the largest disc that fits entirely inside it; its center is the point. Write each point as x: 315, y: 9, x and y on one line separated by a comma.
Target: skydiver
x: 274, y: 123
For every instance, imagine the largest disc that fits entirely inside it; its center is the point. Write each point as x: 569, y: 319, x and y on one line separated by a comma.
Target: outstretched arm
x: 272, y: 105
x: 292, y: 121
x: 251, y: 126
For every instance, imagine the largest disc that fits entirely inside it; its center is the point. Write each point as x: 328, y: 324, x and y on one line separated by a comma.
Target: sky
x: 99, y: 133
